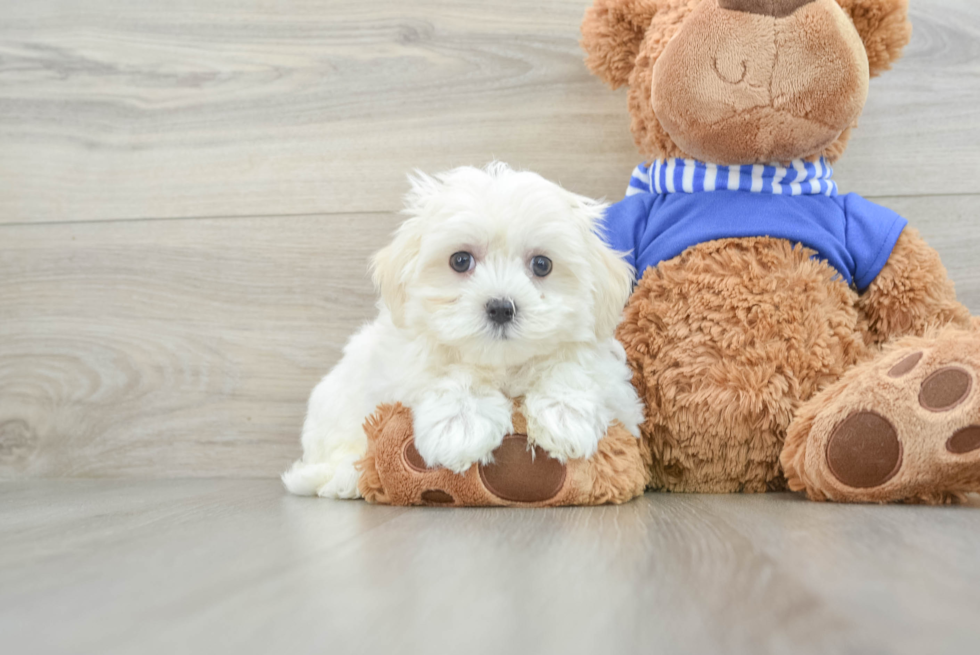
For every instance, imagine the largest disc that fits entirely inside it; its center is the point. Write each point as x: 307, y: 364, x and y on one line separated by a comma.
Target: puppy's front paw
x: 568, y: 428
x: 456, y: 432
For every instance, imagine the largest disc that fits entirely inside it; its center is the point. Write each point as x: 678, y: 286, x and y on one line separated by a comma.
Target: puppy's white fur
x: 434, y: 349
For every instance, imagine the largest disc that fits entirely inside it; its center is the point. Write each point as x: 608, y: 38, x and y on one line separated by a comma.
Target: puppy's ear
x: 612, y: 275
x: 884, y: 28
x: 612, y: 32
x: 391, y: 271
x: 392, y: 266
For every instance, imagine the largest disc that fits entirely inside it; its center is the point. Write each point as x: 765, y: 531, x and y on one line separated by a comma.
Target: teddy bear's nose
x: 775, y: 8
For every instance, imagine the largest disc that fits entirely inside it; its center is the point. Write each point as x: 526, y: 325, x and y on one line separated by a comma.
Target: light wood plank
x: 238, y: 566
x: 188, y: 347
x: 921, y: 115
x: 173, y: 348
x: 127, y: 109
x: 951, y: 225
x: 902, y: 574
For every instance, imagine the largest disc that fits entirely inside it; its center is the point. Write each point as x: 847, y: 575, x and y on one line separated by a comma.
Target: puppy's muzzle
x: 501, y: 310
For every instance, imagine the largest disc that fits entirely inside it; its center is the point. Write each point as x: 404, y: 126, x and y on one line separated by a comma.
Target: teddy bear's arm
x: 912, y: 292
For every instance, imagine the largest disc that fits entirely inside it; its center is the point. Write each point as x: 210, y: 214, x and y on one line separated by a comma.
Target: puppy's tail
x: 335, y: 480
x: 305, y: 479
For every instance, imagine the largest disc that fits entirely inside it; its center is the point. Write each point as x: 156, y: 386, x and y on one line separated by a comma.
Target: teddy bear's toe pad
x: 905, y: 365
x: 436, y: 497
x: 864, y: 451
x: 964, y: 441
x: 522, y: 475
x: 413, y: 458
x: 945, y: 389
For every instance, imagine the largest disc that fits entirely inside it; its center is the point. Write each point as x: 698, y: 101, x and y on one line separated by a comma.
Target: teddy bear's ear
x: 884, y: 27
x: 612, y: 31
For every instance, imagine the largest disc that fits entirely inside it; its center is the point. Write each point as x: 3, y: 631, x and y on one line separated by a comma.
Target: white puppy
x: 497, y: 286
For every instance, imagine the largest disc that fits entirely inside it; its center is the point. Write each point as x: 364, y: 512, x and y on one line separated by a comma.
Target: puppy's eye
x: 541, y: 266
x: 462, y: 262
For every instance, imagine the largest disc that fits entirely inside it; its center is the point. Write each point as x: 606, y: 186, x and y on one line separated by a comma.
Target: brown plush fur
x: 884, y: 28
x: 752, y: 357
x: 726, y: 341
x: 370, y: 484
x: 616, y: 28
x: 620, y: 51
x: 617, y: 473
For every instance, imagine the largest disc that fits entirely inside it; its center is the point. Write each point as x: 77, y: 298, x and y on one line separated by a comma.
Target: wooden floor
x: 189, y: 192
x: 212, y: 566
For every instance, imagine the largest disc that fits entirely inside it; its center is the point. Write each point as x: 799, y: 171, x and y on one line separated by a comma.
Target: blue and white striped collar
x: 690, y: 176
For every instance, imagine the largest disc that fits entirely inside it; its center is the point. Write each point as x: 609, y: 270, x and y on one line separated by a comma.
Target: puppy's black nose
x: 501, y: 310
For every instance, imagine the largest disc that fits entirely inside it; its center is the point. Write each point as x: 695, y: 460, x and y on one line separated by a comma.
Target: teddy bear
x: 781, y: 334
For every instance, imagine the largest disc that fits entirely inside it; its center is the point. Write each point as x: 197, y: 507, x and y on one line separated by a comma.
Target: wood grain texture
x: 188, y: 347
x: 237, y: 566
x: 122, y: 109
x: 951, y: 225
x: 173, y: 348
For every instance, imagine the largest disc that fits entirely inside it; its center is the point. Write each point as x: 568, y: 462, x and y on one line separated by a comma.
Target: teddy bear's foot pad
x: 864, y: 451
x: 393, y: 472
x: 518, y: 474
x: 904, y: 427
x: 522, y: 474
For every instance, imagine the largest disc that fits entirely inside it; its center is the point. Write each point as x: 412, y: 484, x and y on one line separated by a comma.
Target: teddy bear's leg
x: 393, y: 472
x: 904, y: 427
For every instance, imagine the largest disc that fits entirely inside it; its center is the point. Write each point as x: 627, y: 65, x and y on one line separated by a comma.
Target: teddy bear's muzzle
x: 758, y: 81
x: 774, y: 8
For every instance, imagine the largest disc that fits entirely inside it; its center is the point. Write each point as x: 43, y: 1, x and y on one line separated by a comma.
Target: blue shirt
x: 673, y: 205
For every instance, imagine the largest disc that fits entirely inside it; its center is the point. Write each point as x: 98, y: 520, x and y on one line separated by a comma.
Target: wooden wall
x: 190, y: 190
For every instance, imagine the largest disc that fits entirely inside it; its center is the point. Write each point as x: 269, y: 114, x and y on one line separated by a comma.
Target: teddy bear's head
x: 744, y: 81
